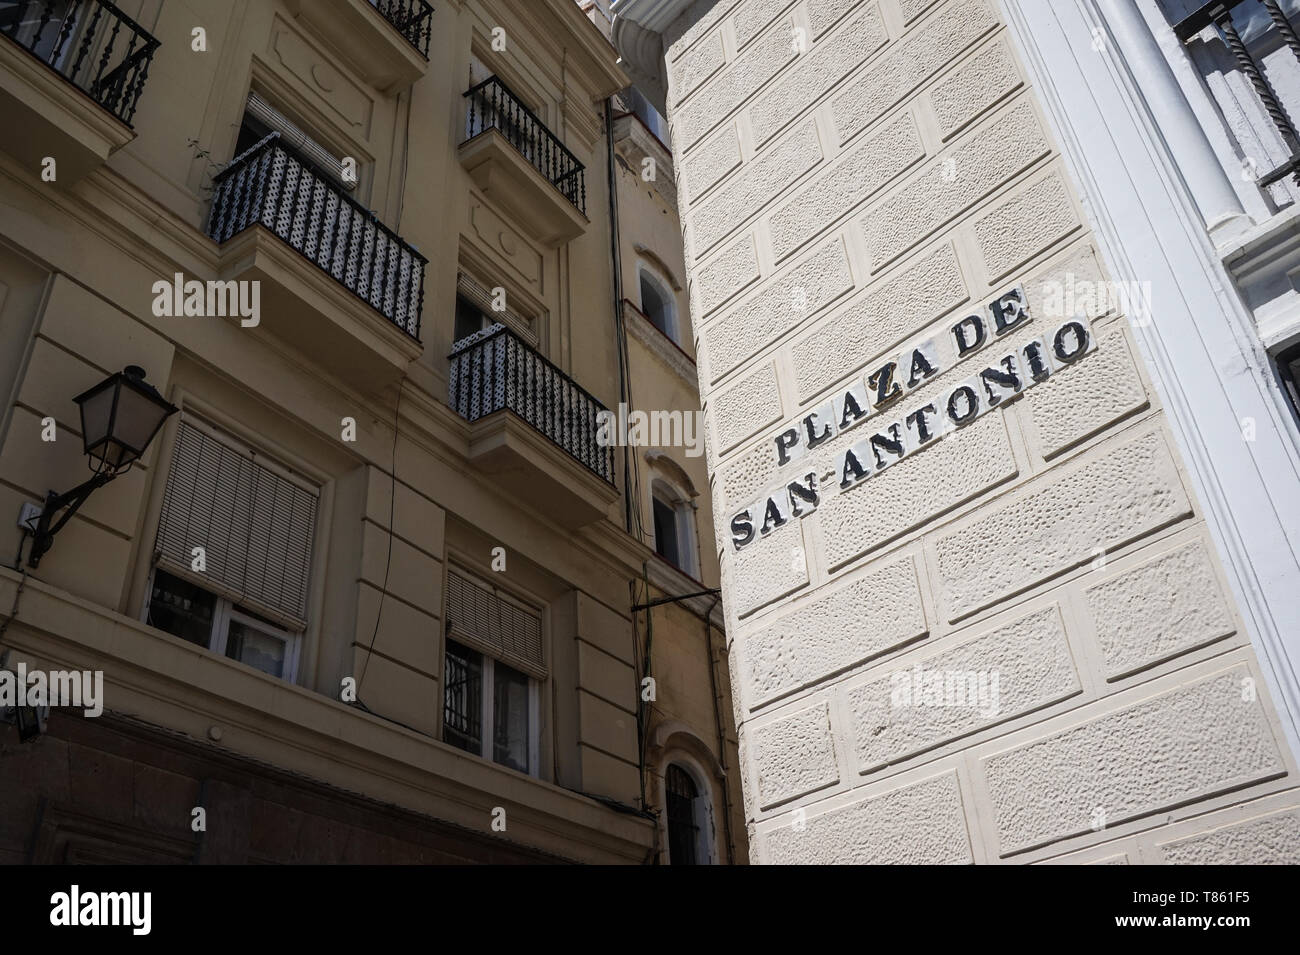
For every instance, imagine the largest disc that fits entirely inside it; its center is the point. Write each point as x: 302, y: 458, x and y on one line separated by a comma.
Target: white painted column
x: 1198, y: 164
x: 1202, y: 349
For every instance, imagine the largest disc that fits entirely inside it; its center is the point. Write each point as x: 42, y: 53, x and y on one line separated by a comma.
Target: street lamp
x: 119, y: 417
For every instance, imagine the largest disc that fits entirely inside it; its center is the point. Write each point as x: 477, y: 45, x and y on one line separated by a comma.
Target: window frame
x: 304, y: 138
x: 485, y: 320
x: 1283, y: 360
x: 684, y: 525
x: 224, y: 610
x: 487, y: 697
x: 74, y: 13
x: 662, y: 288
x: 706, y: 839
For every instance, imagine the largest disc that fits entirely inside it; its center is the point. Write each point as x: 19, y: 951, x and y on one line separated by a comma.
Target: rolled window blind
x: 256, y: 526
x: 495, y: 625
x: 473, y: 291
x: 289, y: 132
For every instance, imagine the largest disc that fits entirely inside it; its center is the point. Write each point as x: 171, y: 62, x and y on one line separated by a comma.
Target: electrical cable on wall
x: 631, y: 478
x: 13, y: 611
x: 388, y: 562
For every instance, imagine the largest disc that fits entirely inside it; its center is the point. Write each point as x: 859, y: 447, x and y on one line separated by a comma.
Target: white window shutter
x: 256, y: 527
x: 294, y: 136
x: 495, y: 625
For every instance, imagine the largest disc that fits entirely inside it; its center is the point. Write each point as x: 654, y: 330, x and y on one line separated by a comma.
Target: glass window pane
x: 260, y: 650
x: 510, y: 717
x: 463, y: 699
x: 653, y: 306
x: 39, y: 26
x: 683, y: 830
x: 468, y: 320
x: 182, y: 609
x: 666, y: 542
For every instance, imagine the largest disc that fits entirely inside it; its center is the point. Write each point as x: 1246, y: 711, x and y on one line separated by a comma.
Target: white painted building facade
x: 1052, y: 617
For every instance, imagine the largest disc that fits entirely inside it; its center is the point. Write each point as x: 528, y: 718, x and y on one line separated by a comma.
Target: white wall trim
x: 1205, y: 361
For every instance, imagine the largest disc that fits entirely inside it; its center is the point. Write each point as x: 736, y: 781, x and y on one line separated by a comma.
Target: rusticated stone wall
x: 857, y: 177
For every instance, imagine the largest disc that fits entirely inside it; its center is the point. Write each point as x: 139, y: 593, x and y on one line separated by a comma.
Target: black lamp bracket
x: 68, y: 502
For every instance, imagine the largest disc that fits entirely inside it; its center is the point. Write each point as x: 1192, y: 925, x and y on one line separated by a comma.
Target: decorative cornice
x: 634, y: 142
x: 572, y: 38
x: 653, y: 15
x: 637, y: 31
x: 663, y: 348
x: 1262, y: 262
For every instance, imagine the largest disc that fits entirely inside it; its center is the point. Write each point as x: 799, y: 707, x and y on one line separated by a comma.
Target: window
x: 261, y: 119
x: 233, y: 552
x: 469, y: 319
x: 186, y: 610
x: 666, y: 542
x: 682, y: 799
x: 463, y: 701
x: 480, y: 306
x: 1288, y: 366
x: 478, y: 70
x: 46, y: 29
x: 489, y: 709
x: 674, y: 527
x: 493, y: 675
x: 491, y: 109
x: 657, y: 305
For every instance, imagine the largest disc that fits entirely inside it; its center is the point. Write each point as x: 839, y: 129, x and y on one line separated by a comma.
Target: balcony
x: 281, y: 220
x: 1248, y: 58
x: 386, y: 41
x: 517, y: 162
x: 545, y: 448
x: 71, y: 75
x: 1258, y: 25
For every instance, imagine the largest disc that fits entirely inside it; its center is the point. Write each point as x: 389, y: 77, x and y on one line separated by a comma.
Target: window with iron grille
x: 674, y: 526
x: 233, y: 552
x: 463, y: 700
x: 682, y: 796
x: 493, y: 671
x: 478, y: 307
x: 91, y: 43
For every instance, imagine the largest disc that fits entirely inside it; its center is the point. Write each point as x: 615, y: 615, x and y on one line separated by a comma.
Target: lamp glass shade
x: 139, y: 416
x: 97, y: 407
x: 120, y: 416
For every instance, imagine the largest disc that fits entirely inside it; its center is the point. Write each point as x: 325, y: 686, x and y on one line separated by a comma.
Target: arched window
x: 657, y: 304
x: 684, y: 812
x: 687, y: 796
x: 674, y: 521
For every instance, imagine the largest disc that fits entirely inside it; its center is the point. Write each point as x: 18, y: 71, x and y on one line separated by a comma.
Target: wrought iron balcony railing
x: 495, y: 370
x: 275, y: 186
x: 493, y: 106
x: 1219, y: 13
x: 413, y: 19
x: 91, y: 43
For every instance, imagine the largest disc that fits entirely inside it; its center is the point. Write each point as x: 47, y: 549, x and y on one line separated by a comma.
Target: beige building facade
x: 1005, y: 526
x: 378, y: 591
